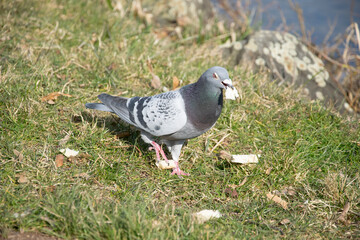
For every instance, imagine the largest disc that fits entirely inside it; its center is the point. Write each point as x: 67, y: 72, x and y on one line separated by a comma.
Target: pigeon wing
x: 158, y: 115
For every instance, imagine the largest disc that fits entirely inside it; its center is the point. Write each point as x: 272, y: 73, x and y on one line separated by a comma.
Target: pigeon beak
x: 227, y: 83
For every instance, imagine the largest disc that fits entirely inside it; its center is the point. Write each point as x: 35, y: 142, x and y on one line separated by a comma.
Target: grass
x: 115, y: 191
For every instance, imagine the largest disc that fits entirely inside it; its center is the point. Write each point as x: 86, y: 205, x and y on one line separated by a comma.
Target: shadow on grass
x: 116, y: 127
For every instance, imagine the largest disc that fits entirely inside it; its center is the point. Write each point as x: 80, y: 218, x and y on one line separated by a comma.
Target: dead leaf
x: 224, y: 155
x: 61, y: 76
x: 176, y: 83
x: 285, y: 221
x: 51, y: 102
x: 342, y: 217
x: 65, y: 139
x: 231, y: 192
x: 161, y: 33
x: 53, y: 96
x: 288, y: 191
x: 59, y: 160
x: 81, y: 158
x: 183, y: 21
x: 277, y: 200
x: 268, y: 171
x: 155, y: 81
x: 22, y: 178
x: 51, y: 188
x: 122, y: 135
x: 82, y: 175
x: 18, y: 154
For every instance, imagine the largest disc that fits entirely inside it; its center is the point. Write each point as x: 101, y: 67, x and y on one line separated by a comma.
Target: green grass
x: 83, y: 48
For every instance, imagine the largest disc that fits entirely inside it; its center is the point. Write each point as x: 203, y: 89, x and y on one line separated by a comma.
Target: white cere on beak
x: 228, y: 83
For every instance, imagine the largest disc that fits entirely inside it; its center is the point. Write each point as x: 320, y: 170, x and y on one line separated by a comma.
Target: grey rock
x: 289, y: 61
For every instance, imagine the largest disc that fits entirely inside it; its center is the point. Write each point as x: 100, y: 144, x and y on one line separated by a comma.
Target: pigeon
x: 172, y: 117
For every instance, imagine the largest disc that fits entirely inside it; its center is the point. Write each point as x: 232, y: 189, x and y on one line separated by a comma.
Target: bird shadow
x: 115, y: 126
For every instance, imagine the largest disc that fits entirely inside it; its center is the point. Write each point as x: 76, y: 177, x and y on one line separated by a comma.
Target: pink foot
x: 178, y: 171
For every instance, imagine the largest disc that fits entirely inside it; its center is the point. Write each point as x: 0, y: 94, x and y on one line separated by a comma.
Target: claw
x: 178, y: 171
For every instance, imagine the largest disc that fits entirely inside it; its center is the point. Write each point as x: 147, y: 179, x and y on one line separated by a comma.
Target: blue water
x: 318, y: 15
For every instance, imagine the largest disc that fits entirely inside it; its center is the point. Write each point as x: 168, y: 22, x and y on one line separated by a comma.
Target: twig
x: 219, y: 142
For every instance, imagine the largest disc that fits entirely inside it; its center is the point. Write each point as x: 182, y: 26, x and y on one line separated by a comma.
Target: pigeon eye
x: 215, y: 75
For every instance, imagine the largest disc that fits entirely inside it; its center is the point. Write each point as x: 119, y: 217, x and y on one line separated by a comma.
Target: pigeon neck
x: 203, y: 105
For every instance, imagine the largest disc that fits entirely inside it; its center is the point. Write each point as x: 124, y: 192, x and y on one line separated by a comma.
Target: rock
x: 181, y: 12
x: 288, y: 60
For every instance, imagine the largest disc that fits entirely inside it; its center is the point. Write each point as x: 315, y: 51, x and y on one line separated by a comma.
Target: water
x: 318, y: 15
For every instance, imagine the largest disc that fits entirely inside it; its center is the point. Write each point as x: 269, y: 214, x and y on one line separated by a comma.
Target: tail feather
x: 99, y: 106
x: 117, y: 105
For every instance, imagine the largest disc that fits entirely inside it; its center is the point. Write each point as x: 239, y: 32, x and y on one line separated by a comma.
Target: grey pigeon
x: 174, y: 116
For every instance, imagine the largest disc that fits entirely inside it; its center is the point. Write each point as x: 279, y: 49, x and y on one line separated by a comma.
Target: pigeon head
x: 217, y: 77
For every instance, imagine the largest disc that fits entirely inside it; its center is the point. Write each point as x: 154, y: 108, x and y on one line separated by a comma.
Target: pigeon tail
x: 117, y: 105
x: 98, y: 106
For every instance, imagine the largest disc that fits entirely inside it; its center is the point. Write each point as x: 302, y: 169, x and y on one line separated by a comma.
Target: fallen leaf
x: 288, y: 191
x: 122, y: 135
x: 155, y: 81
x: 176, y: 83
x: 342, y: 217
x: 61, y: 76
x: 285, y: 221
x: 224, y: 155
x: 268, y: 171
x: 53, y: 96
x: 82, y: 175
x: 59, y: 160
x: 231, y: 192
x: 51, y: 102
x: 65, y: 139
x: 206, y: 215
x: 183, y: 21
x: 277, y: 200
x: 51, y: 188
x: 69, y: 152
x: 18, y: 154
x: 81, y: 158
x: 22, y: 178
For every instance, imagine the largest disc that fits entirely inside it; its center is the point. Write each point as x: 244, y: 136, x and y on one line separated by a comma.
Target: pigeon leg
x: 156, y: 147
x: 158, y: 150
x: 175, y: 153
x: 163, y: 155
